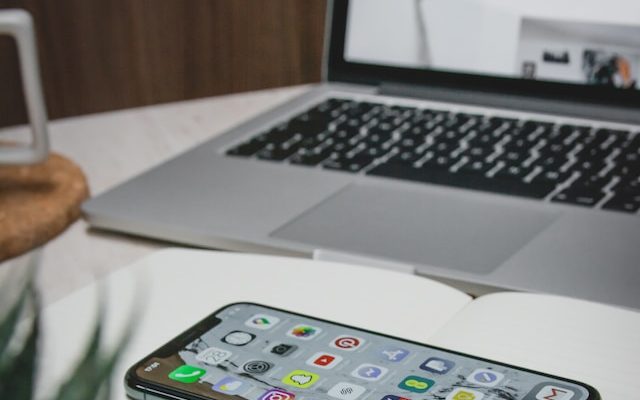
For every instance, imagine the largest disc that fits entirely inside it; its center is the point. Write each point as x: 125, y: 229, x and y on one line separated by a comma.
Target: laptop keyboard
x: 563, y: 163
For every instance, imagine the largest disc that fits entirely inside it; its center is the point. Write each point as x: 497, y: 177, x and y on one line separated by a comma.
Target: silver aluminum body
x: 478, y: 241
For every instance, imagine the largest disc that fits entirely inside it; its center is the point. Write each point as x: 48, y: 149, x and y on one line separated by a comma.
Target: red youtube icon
x: 324, y: 360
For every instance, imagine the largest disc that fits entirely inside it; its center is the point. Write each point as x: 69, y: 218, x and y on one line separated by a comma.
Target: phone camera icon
x: 283, y: 349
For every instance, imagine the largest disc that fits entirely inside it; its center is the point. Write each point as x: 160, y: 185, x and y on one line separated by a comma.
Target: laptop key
x: 624, y: 202
x: 353, y: 164
x: 592, y: 153
x: 310, y: 158
x: 407, y: 156
x: 246, y: 149
x: 631, y: 184
x: 589, y: 167
x: 518, y: 145
x: 552, y: 176
x: 276, y: 153
x: 441, y: 162
x: 477, y: 152
x: 271, y: 138
x: 462, y: 180
x: 517, y: 172
x: 458, y: 149
x: 595, y: 182
x: 484, y: 140
x: 626, y: 170
x: 584, y: 196
x: 513, y: 157
x: 550, y: 163
x: 479, y: 167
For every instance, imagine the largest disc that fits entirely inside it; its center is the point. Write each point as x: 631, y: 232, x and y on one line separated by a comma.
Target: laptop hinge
x: 514, y: 102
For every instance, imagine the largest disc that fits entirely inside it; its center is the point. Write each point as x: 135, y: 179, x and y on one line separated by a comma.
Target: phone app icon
x: 465, y: 394
x: 324, y: 360
x: 416, y: 384
x: 283, y: 349
x: 213, y: 356
x: 347, y: 343
x: 369, y: 372
x: 394, y: 397
x: 276, y: 394
x: 437, y: 365
x: 256, y: 367
x: 485, y: 377
x: 187, y: 374
x: 238, y: 338
x: 300, y: 378
x: 554, y: 393
x: 304, y: 332
x: 550, y: 391
x: 262, y: 321
x: 346, y: 391
x: 231, y: 386
x: 393, y: 354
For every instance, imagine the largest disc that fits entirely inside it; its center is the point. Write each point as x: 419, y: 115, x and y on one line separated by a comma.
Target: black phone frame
x: 134, y: 382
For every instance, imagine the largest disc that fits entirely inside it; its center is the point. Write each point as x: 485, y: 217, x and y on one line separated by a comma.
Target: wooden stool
x: 38, y: 202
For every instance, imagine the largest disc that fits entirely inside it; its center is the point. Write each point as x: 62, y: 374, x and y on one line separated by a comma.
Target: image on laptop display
x: 589, y: 42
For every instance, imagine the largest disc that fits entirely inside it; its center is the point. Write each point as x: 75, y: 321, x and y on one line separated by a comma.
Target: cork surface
x: 38, y: 202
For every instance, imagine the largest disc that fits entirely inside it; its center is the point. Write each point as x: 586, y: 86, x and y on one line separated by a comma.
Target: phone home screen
x: 258, y: 353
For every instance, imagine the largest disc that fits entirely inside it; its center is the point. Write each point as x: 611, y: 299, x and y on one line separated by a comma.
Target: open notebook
x: 588, y: 342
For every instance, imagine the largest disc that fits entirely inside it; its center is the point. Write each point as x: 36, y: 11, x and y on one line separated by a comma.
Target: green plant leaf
x: 91, y: 379
x: 19, y: 337
x: 17, y: 374
x: 9, y: 324
x: 110, y: 360
x: 81, y: 383
x: 17, y: 282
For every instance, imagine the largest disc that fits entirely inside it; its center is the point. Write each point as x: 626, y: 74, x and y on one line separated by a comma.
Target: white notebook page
x: 589, y: 342
x: 183, y: 286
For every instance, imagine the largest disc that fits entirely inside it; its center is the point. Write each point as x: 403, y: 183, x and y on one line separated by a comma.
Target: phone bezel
x: 134, y: 382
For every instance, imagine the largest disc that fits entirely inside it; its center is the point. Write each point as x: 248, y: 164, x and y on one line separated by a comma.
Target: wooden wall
x: 99, y: 55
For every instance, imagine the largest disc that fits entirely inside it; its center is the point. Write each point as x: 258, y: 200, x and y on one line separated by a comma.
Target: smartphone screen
x: 255, y: 352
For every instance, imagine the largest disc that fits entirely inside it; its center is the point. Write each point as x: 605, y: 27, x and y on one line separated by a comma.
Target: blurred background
x: 101, y: 55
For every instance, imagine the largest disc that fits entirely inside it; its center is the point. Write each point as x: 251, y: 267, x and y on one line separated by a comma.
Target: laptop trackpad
x: 418, y: 226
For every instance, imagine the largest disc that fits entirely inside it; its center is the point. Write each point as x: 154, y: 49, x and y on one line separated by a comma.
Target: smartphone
x: 254, y: 352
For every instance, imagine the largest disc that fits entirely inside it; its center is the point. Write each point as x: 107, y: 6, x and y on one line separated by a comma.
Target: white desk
x: 112, y: 147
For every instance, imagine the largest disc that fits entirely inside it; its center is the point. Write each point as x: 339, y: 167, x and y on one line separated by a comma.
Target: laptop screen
x: 580, y: 42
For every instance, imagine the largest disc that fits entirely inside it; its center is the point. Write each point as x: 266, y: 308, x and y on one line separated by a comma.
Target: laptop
x: 491, y: 144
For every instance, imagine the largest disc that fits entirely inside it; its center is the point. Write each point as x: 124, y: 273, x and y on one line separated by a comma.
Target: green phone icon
x: 187, y: 374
